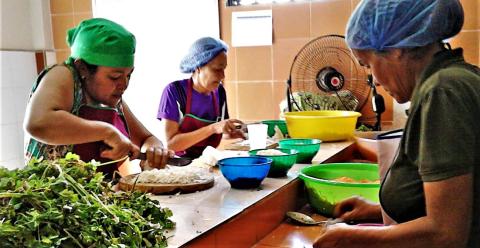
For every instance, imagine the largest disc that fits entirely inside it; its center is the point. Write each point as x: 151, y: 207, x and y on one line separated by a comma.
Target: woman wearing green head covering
x: 78, y: 106
x: 431, y: 190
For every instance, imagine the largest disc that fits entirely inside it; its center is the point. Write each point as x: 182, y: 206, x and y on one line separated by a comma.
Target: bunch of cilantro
x: 64, y: 203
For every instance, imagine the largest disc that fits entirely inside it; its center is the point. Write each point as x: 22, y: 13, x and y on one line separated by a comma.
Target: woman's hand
x: 118, y: 145
x: 230, y: 128
x: 157, y: 157
x: 351, y: 209
x: 358, y: 209
x: 333, y: 237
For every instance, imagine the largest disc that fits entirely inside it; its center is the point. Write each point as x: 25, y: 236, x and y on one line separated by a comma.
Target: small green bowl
x: 281, y: 163
x: 307, y: 148
x: 324, y: 193
x: 271, y: 127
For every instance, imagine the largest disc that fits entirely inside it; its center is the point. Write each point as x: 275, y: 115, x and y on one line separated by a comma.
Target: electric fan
x: 325, y: 76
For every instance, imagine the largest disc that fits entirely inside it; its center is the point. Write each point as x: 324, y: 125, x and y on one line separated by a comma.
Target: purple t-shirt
x: 173, y: 103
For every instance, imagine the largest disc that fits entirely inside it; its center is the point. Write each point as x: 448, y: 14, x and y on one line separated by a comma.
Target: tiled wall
x: 255, y: 76
x: 18, y: 72
x: 67, y: 14
x: 469, y: 37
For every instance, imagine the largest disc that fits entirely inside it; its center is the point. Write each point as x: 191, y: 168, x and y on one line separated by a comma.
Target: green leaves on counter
x: 64, y: 203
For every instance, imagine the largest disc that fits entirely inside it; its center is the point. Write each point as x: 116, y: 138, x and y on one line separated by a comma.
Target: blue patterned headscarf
x: 383, y: 24
x: 201, y: 52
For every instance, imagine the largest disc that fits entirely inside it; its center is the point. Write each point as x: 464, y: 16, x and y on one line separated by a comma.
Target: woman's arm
x: 48, y: 116
x: 447, y: 223
x: 178, y: 141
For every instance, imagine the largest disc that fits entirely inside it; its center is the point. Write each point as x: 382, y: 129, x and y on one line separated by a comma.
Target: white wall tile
x: 21, y: 99
x: 6, y: 76
x: 7, y: 105
x: 12, y: 164
x: 23, y: 68
x: 27, y: 25
x: 51, y: 58
x: 18, y: 72
x: 10, y: 145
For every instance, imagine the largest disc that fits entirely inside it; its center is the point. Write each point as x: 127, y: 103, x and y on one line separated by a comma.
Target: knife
x: 175, y: 161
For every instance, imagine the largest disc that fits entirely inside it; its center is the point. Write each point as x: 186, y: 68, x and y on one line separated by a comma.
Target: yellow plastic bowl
x: 326, y: 125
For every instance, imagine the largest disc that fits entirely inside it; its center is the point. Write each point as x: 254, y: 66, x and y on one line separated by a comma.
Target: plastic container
x: 326, y: 125
x: 257, y: 136
x: 367, y: 145
x: 245, y: 172
x: 281, y: 164
x: 282, y: 125
x: 307, y: 148
x: 324, y: 193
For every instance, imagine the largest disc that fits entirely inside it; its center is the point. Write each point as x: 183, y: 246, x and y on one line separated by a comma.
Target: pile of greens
x: 341, y: 100
x: 64, y: 203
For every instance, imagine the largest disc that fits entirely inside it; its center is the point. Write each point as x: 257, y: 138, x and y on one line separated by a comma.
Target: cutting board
x: 156, y: 188
x: 244, y: 146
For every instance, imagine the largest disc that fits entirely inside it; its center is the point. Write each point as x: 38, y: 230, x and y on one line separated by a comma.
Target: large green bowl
x: 307, y: 148
x: 282, y: 125
x: 324, y: 193
x: 281, y: 163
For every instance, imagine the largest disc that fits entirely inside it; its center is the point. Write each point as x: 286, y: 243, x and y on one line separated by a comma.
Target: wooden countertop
x: 222, y: 216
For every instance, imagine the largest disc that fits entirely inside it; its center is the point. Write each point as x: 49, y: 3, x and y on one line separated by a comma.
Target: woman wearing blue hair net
x: 432, y: 188
x: 195, y: 109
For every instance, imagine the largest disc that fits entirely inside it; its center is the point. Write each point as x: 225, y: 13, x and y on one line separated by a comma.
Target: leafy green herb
x: 364, y: 128
x: 64, y: 203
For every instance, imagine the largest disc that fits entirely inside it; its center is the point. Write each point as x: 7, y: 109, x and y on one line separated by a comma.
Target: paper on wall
x: 252, y: 28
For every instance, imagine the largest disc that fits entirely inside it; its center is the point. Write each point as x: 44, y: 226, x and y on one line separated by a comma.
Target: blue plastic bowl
x: 245, y: 172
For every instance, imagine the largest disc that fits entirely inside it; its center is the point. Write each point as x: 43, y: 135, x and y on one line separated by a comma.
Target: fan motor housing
x: 329, y: 79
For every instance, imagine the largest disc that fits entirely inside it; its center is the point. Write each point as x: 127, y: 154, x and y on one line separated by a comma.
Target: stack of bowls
x: 281, y: 124
x: 281, y: 164
x: 245, y: 172
x: 329, y: 184
x: 307, y: 148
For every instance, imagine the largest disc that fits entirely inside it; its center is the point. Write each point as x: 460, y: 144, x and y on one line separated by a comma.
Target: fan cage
x: 328, y: 51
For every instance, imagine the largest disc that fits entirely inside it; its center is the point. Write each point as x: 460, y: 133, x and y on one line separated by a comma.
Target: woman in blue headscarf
x: 432, y: 189
x: 195, y: 109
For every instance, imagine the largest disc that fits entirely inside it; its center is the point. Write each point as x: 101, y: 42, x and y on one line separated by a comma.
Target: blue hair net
x: 201, y: 52
x: 383, y: 24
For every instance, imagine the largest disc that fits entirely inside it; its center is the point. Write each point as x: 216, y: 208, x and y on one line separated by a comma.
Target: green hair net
x: 102, y: 42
